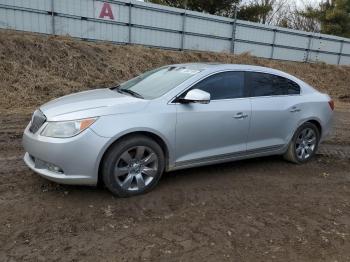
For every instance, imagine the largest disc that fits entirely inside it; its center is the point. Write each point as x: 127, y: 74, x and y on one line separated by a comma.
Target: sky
x: 300, y: 3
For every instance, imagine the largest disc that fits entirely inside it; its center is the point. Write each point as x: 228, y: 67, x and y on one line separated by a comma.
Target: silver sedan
x: 175, y: 117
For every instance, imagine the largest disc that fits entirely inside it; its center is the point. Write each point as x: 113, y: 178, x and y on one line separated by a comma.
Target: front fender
x: 114, y: 127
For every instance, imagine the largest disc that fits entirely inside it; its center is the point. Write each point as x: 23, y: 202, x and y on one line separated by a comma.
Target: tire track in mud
x: 338, y: 151
x: 194, y: 214
x: 11, y: 130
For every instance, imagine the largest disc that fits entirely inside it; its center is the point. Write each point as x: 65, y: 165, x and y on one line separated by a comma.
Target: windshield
x: 157, y: 82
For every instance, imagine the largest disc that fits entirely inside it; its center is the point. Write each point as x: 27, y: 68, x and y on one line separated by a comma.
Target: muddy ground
x: 256, y: 210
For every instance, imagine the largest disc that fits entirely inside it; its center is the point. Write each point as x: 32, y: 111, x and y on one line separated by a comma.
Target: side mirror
x: 196, y: 96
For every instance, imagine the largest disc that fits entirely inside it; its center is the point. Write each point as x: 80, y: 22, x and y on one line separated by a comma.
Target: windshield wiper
x: 133, y: 93
x: 115, y: 87
x: 128, y: 91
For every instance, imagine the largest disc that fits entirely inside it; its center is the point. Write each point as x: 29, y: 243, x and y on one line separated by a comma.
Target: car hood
x: 91, y: 103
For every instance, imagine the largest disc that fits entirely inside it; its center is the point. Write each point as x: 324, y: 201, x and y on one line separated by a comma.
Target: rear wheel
x: 133, y: 166
x: 304, y: 144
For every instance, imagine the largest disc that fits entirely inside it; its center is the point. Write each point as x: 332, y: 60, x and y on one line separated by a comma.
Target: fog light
x: 53, y: 168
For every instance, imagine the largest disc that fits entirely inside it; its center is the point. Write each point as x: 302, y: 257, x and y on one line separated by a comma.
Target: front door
x: 206, y: 132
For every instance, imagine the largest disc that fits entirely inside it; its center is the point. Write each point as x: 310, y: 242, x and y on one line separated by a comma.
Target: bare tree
x: 284, y: 13
x: 262, y: 11
x: 299, y: 17
x: 279, y: 7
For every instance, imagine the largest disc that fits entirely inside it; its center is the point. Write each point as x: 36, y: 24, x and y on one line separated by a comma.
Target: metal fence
x: 135, y: 22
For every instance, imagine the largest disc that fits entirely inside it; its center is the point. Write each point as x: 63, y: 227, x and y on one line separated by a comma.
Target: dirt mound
x: 36, y: 68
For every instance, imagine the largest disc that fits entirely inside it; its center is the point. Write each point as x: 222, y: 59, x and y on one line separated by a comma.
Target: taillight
x: 331, y: 104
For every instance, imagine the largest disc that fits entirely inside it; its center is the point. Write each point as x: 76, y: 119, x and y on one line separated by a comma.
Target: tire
x: 304, y: 144
x: 133, y: 166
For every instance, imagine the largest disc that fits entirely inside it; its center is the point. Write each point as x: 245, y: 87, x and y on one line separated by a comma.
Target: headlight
x: 67, y: 128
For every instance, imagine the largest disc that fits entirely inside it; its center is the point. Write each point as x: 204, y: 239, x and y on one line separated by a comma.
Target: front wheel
x: 304, y: 144
x: 133, y: 166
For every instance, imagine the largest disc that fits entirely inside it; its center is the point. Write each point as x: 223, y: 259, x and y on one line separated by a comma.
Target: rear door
x: 275, y: 110
x: 218, y: 129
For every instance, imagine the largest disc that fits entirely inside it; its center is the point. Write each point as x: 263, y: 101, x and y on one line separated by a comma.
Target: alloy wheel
x: 305, y: 143
x: 136, y: 168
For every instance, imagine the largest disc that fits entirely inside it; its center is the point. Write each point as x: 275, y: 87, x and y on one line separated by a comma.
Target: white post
x: 234, y: 30
x: 53, y: 30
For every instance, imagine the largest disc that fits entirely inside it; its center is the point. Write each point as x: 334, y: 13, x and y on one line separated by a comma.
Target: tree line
x: 328, y: 16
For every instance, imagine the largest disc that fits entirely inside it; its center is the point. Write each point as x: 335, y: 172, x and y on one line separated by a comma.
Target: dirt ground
x: 262, y: 209
x: 256, y: 210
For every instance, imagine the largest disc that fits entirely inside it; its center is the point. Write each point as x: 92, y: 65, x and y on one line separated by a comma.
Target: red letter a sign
x: 106, y: 11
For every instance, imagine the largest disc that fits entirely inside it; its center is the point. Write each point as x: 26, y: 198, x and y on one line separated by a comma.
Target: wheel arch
x: 153, y: 135
x: 289, y: 154
x: 317, y: 124
x: 313, y: 120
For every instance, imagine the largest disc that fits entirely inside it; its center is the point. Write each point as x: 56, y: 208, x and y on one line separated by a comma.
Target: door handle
x: 295, y: 109
x: 240, y: 115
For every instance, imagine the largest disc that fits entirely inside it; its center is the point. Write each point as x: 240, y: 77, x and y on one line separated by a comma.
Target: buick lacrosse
x: 175, y: 117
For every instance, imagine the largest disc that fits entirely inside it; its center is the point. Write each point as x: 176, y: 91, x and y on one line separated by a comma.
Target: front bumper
x: 78, y: 157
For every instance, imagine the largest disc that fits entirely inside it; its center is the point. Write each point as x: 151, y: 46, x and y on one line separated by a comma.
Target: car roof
x: 219, y: 66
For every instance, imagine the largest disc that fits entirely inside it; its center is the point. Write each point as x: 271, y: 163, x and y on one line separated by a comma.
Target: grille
x: 38, y: 120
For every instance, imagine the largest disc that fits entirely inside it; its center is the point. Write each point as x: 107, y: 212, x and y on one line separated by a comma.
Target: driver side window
x: 225, y: 85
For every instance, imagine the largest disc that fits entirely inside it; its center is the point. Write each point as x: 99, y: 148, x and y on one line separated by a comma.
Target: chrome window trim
x: 172, y: 100
x: 268, y: 73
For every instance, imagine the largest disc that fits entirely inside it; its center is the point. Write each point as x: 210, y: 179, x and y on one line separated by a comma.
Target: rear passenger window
x: 292, y: 88
x: 271, y: 85
x: 224, y: 85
